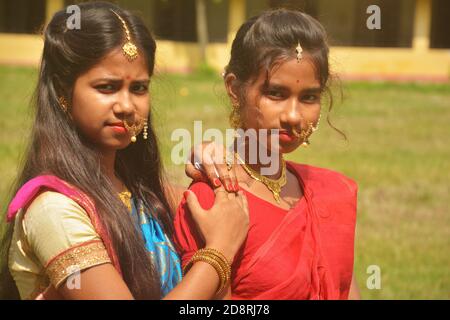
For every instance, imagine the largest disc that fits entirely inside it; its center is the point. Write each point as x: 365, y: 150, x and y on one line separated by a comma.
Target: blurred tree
x: 202, y: 28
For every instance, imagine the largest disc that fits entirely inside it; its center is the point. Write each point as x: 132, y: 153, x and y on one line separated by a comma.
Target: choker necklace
x: 274, y: 185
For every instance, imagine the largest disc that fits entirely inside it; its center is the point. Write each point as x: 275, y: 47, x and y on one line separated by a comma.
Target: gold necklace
x: 274, y: 185
x: 125, y: 197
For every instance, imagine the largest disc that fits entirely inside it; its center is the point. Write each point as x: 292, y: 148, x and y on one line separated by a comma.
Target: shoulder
x: 47, y: 199
x: 325, y: 178
x: 334, y: 194
x: 205, y: 194
x: 61, y: 236
x: 187, y: 237
x: 51, y: 206
x: 53, y: 223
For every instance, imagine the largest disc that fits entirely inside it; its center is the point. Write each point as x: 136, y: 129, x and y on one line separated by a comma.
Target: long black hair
x: 57, y: 148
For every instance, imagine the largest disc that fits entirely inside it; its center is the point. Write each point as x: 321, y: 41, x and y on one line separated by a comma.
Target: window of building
x: 22, y: 16
x: 440, y: 25
x: 176, y: 19
x: 345, y: 20
x: 217, y: 16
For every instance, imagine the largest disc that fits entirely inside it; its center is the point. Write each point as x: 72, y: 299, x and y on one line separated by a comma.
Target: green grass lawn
x: 397, y: 151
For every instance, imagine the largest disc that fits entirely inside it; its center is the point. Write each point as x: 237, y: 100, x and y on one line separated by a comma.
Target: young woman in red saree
x: 302, y: 218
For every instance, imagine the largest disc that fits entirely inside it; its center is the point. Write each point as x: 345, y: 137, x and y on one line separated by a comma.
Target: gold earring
x: 235, y: 119
x: 145, y: 134
x: 63, y: 104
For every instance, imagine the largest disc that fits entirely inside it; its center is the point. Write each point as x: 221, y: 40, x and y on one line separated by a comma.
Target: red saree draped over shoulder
x: 302, y: 253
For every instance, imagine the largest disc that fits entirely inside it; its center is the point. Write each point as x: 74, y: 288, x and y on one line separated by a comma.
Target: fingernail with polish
x: 186, y: 194
x: 217, y: 182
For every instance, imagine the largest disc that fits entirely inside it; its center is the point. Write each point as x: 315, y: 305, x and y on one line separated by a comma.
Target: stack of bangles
x: 217, y: 260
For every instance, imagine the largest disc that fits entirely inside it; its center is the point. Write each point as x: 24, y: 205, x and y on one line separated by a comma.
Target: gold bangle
x: 217, y: 260
x: 219, y: 257
x: 214, y: 264
x: 222, y: 274
x: 216, y: 253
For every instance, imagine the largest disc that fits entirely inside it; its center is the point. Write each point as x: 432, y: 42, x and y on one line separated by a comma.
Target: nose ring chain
x: 304, y: 134
x: 136, y: 127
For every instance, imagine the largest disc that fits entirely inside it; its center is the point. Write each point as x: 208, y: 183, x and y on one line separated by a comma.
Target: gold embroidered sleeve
x: 76, y: 259
x: 62, y: 236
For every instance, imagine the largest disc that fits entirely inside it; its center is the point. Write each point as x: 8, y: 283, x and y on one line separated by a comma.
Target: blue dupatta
x: 161, y: 249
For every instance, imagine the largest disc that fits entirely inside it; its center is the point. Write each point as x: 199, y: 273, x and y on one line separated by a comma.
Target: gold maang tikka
x: 298, y: 51
x: 129, y: 48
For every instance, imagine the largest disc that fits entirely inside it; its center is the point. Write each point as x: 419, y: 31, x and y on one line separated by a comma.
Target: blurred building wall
x: 413, y: 43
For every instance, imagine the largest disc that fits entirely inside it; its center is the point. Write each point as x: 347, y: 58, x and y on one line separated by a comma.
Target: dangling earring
x: 235, y: 118
x: 145, y: 129
x: 64, y: 105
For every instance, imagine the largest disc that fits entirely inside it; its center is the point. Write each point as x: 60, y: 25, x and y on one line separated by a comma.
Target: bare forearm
x: 101, y: 282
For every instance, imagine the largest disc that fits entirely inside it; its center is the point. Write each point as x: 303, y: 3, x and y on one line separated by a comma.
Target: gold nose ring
x: 134, y: 127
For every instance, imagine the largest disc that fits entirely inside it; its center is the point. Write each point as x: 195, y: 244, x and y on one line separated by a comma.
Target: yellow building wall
x: 391, y: 63
x: 349, y: 62
x: 20, y: 49
x: 184, y: 57
x: 416, y: 63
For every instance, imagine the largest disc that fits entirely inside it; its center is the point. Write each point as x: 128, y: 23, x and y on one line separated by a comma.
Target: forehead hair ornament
x: 129, y: 48
x: 298, y: 51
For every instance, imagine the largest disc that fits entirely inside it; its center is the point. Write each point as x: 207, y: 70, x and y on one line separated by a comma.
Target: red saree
x: 302, y: 253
